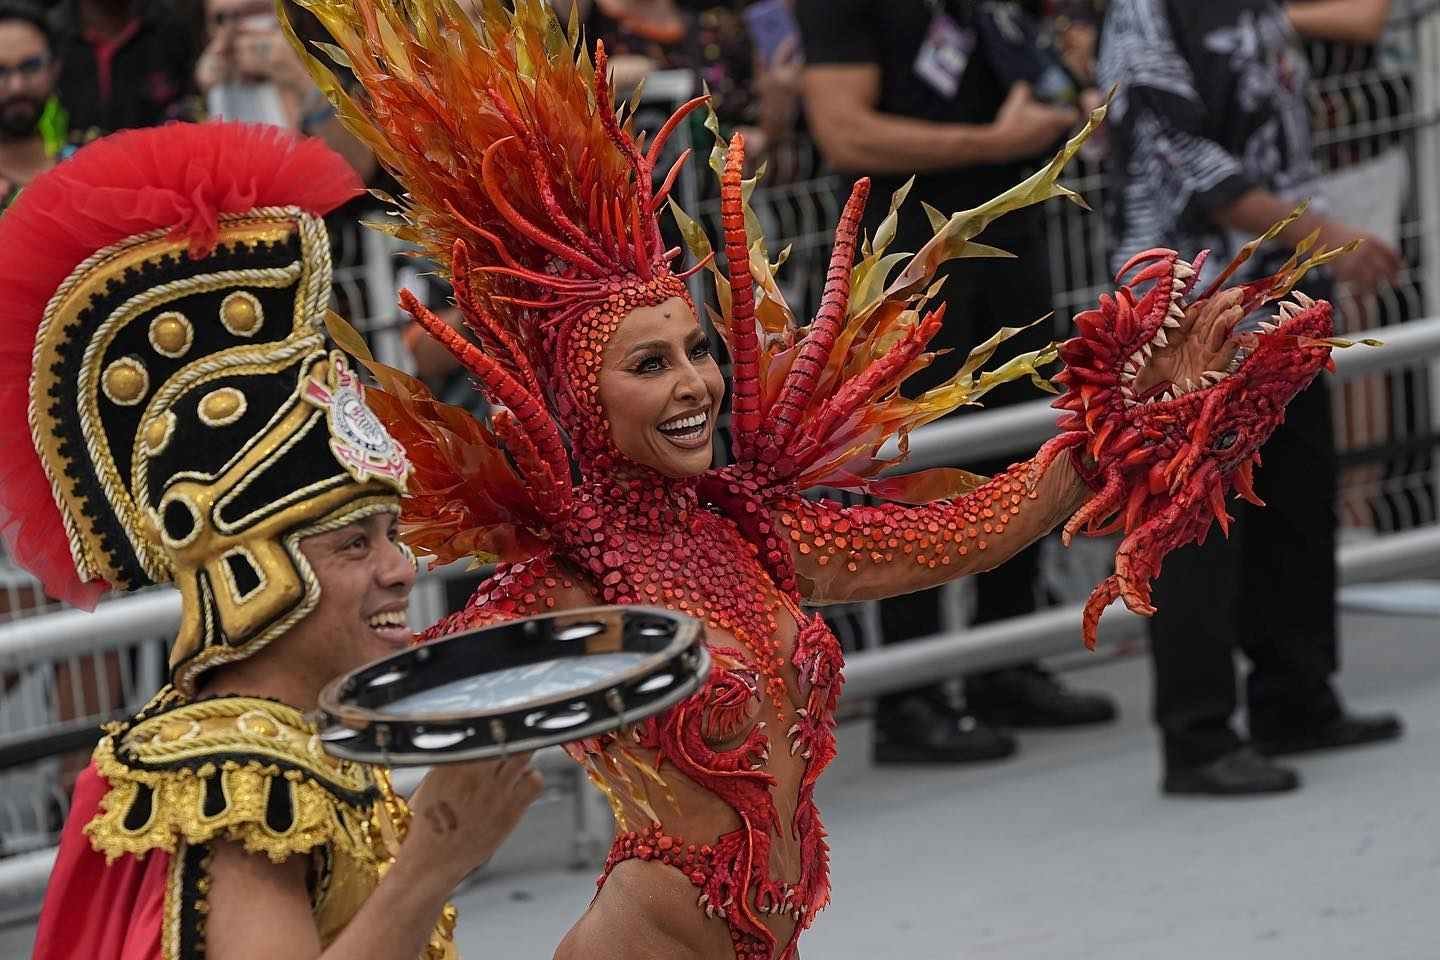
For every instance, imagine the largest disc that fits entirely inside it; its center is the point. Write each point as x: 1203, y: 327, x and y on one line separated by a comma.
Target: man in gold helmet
x: 170, y: 412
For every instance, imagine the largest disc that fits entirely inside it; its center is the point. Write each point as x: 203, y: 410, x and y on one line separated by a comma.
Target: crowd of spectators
x: 1209, y: 144
x: 966, y: 96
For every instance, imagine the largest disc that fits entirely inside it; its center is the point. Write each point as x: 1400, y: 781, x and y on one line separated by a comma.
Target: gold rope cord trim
x: 210, y: 655
x: 310, y: 300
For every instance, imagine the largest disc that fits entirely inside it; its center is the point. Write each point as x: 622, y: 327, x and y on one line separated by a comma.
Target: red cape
x: 94, y: 911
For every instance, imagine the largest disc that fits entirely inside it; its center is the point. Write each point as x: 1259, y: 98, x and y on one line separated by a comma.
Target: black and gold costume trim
x: 183, y: 774
x: 194, y: 426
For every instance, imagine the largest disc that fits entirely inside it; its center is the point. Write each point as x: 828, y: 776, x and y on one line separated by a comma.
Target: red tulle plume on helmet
x: 180, y: 178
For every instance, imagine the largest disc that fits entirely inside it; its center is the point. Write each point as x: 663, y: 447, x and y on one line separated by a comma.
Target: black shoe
x: 1346, y: 730
x: 1030, y: 696
x: 1240, y: 773
x: 921, y: 729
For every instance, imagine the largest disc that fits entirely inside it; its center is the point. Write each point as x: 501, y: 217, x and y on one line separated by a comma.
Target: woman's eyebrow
x: 647, y: 345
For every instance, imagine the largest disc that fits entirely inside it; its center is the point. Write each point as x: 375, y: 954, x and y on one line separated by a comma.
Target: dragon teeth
x: 1160, y: 340
x: 1304, y: 300
x: 1268, y: 327
x: 1183, y: 270
x: 1291, y: 309
x: 1175, y: 313
x: 1171, y: 323
x: 1212, y: 377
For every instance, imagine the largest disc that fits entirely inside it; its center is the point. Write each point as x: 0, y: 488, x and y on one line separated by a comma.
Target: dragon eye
x: 1226, y: 440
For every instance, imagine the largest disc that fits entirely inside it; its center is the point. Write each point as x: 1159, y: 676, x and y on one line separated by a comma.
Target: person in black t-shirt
x: 1210, y: 145
x: 944, y: 90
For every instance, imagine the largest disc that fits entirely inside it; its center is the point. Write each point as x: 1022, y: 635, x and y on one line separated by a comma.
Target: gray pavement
x: 1068, y: 851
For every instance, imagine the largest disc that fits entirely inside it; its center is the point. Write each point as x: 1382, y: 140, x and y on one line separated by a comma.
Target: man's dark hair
x: 32, y: 14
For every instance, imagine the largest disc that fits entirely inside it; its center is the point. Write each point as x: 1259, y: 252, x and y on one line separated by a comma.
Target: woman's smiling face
x: 661, y: 389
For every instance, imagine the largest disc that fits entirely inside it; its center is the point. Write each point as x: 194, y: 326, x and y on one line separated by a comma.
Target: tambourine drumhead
x: 513, y: 687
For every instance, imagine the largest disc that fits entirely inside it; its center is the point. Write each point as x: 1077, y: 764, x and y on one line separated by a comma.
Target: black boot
x: 923, y: 727
x: 1030, y: 696
x: 1346, y: 730
x: 1240, y: 773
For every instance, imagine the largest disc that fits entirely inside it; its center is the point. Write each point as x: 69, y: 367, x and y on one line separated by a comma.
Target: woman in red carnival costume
x: 592, y: 481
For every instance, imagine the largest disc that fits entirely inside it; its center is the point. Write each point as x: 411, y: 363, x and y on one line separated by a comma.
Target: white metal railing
x: 999, y: 432
x: 983, y: 435
x: 867, y: 674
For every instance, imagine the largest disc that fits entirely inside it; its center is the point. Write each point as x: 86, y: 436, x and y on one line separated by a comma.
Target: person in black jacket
x: 950, y: 91
x: 124, y: 64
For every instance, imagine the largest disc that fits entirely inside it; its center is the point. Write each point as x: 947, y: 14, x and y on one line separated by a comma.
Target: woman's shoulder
x: 526, y: 588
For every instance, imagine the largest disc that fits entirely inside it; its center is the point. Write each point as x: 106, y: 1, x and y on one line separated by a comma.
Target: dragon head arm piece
x: 1168, y: 403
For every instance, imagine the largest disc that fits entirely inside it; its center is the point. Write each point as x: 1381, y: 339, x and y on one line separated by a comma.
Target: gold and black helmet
x: 186, y: 420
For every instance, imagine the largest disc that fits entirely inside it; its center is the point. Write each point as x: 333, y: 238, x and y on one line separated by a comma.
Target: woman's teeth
x: 691, y: 427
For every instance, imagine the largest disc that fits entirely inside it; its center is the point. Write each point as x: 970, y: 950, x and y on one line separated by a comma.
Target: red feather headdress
x: 520, y: 175
x: 524, y: 179
x: 526, y: 184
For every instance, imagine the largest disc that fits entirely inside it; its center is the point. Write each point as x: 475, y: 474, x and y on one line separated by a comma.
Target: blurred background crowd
x: 1225, y: 115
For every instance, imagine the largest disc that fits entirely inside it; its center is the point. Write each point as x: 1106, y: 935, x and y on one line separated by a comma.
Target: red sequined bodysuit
x: 760, y: 732
x: 524, y: 179
x: 775, y: 670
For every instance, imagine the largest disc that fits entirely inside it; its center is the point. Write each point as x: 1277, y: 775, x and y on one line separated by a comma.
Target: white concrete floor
x: 1068, y: 851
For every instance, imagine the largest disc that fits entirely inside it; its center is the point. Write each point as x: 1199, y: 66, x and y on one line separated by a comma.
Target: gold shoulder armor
x: 241, y: 768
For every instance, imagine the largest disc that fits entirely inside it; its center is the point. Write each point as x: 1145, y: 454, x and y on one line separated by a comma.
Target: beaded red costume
x: 523, y: 178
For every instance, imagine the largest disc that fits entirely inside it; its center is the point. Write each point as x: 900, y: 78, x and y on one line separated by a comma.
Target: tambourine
x: 514, y: 687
